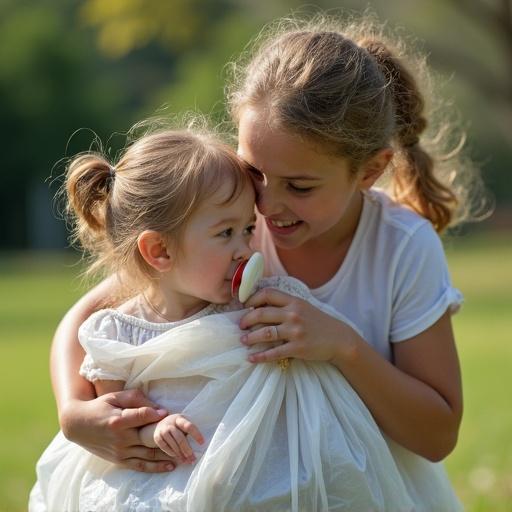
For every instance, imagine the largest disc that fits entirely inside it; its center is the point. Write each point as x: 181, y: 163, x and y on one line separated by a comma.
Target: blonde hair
x: 349, y: 89
x: 157, y: 184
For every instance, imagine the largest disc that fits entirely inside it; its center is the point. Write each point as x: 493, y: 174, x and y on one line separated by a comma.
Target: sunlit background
x: 74, y: 70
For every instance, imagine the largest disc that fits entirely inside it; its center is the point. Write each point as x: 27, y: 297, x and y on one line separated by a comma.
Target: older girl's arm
x: 107, y: 425
x: 417, y: 401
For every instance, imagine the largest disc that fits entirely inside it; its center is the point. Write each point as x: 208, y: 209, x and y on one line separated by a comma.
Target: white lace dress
x: 294, y: 439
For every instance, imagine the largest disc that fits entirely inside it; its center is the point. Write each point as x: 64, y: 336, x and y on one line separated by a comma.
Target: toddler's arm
x: 103, y: 387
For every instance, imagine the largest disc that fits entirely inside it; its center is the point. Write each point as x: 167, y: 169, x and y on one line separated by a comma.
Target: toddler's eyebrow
x: 230, y: 220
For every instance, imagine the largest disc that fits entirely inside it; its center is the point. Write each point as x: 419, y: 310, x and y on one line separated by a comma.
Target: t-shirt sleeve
x: 422, y: 289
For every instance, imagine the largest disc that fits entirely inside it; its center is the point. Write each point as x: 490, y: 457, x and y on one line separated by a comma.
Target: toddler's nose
x: 243, y: 252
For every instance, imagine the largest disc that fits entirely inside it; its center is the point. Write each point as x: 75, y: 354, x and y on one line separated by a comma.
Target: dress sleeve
x: 422, y: 289
x: 100, y: 328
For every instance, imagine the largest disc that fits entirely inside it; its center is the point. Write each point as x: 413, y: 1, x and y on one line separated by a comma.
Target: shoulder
x: 392, y: 215
x: 111, y: 324
x: 101, y: 324
x: 396, y: 229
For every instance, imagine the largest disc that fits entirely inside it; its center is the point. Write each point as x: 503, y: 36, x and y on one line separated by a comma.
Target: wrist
x: 348, y: 349
x: 68, y: 418
x: 146, y: 435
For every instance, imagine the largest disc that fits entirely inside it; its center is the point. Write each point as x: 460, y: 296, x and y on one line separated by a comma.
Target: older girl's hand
x: 108, y: 426
x: 303, y: 330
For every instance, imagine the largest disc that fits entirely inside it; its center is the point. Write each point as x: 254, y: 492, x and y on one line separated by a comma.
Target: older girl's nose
x: 267, y: 202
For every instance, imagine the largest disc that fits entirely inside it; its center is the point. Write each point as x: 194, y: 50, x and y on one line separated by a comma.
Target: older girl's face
x: 305, y: 195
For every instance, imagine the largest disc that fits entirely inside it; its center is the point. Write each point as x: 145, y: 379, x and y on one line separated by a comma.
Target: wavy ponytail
x: 414, y: 182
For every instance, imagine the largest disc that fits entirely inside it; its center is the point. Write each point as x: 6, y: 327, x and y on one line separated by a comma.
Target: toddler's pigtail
x: 89, y: 181
x: 414, y: 182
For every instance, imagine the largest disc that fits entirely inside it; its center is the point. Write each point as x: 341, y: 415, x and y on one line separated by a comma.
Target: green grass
x: 481, y: 465
x: 36, y: 290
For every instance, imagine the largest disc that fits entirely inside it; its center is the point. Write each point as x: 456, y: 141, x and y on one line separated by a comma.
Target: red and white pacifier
x: 246, y: 275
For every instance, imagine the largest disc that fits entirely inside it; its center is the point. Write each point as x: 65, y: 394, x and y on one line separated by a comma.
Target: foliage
x: 124, y: 25
x: 102, y: 66
x: 50, y: 85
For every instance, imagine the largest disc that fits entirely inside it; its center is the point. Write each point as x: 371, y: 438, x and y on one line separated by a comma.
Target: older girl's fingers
x: 148, y: 454
x: 137, y: 417
x: 265, y: 334
x: 189, y: 428
x: 273, y: 354
x: 148, y: 467
x: 262, y: 315
x: 269, y: 296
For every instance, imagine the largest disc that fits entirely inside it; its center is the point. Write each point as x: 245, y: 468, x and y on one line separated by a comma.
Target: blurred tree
x: 50, y: 85
x: 495, y: 17
x: 124, y: 25
x: 470, y: 41
x: 103, y: 65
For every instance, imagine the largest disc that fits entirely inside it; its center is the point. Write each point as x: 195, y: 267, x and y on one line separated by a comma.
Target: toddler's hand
x: 170, y: 437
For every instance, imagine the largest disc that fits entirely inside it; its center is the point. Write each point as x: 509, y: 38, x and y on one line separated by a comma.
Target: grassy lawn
x: 36, y: 290
x: 481, y: 465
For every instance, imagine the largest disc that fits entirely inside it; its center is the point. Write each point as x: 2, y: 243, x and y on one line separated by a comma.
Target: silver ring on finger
x: 271, y: 333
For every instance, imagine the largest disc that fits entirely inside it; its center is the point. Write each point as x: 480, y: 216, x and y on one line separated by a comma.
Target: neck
x: 167, y: 305
x: 329, y: 248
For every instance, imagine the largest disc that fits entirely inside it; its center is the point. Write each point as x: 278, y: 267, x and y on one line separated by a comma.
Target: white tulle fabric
x: 298, y: 439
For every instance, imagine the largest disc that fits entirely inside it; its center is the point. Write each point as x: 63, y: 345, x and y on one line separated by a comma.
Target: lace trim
x: 286, y: 284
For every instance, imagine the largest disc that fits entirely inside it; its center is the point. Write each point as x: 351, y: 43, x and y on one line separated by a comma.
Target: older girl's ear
x: 374, y: 167
x: 153, y: 249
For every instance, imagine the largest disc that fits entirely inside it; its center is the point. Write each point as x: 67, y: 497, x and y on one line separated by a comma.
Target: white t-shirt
x: 394, y: 281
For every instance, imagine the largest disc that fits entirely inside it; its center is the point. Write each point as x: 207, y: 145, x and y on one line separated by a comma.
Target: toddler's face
x: 215, y: 240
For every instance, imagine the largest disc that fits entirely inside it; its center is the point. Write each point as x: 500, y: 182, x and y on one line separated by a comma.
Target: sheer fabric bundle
x: 298, y: 439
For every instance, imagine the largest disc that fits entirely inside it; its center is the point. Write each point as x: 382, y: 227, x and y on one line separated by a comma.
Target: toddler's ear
x: 153, y: 248
x: 374, y: 167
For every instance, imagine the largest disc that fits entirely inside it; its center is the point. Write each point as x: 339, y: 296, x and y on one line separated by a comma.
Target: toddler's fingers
x: 184, y: 447
x: 189, y: 428
x: 166, y: 443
